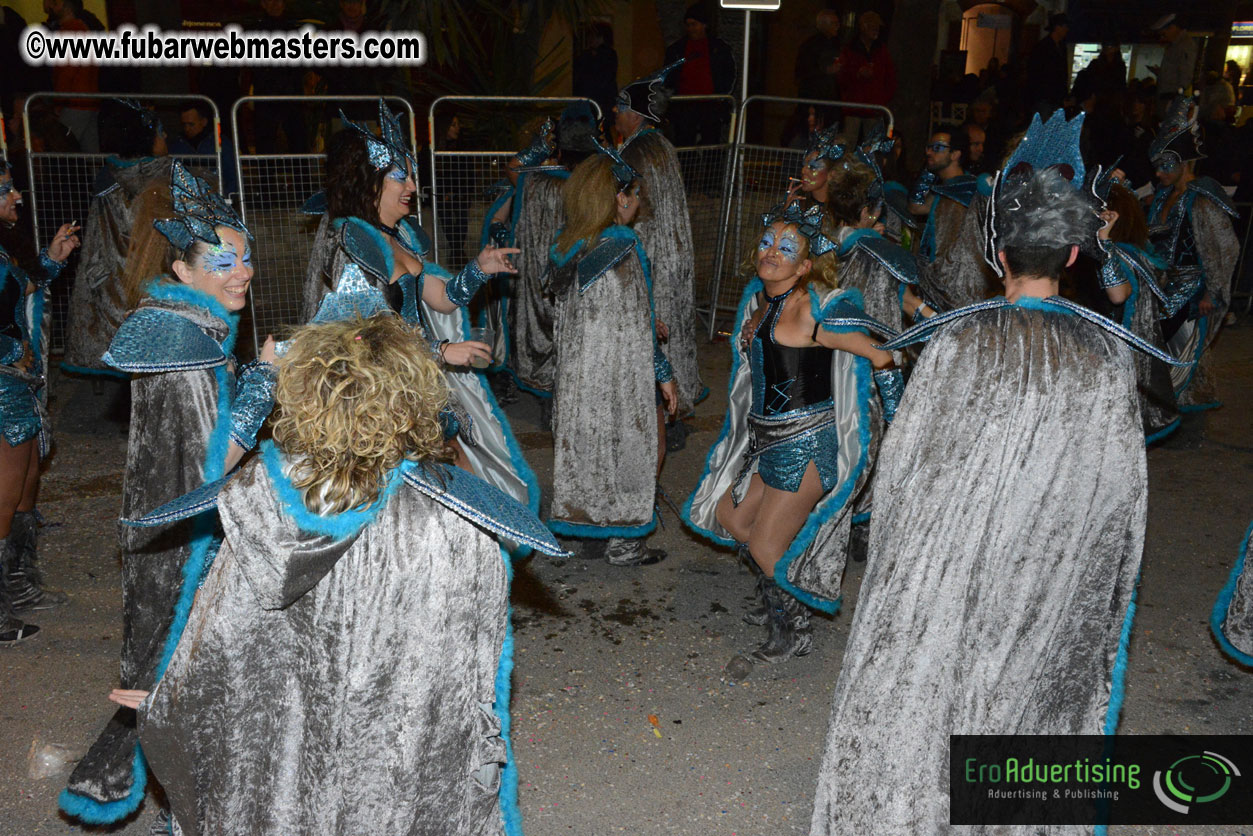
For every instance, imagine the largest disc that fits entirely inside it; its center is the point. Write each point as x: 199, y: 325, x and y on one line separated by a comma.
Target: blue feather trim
x: 601, y: 532
x: 340, y: 526
x: 1118, y: 679
x: 862, y: 518
x: 90, y: 811
x: 508, y: 793
x: 1162, y: 433
x: 1218, y: 616
x: 753, y: 287
x: 172, y: 291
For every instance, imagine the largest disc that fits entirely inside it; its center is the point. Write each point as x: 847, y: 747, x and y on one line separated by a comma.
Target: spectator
x: 1047, y: 76
x: 818, y: 59
x: 1178, y: 67
x: 867, y: 74
x: 1218, y: 99
x: 1231, y: 72
x: 708, y: 68
x: 976, y: 158
x: 281, y: 79
x: 78, y: 115
x: 197, y: 137
x: 984, y: 117
x: 596, y: 70
x: 356, y: 16
x: 1106, y: 74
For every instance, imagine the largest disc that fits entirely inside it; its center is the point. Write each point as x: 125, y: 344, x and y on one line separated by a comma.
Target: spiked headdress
x: 1178, y: 139
x: 623, y: 174
x: 200, y: 209
x: 1039, y: 198
x: 648, y: 96
x: 808, y: 222
x: 146, y: 116
x: 541, y: 147
x: 388, y: 148
x: 828, y: 144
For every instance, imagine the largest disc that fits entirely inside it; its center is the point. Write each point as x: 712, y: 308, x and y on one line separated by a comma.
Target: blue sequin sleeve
x: 253, y: 402
x: 462, y: 287
x: 891, y: 385
x: 50, y: 269
x: 661, y: 364
x: 10, y: 350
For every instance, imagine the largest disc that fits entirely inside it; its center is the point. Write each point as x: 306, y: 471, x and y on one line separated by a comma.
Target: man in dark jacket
x: 708, y: 69
x: 867, y: 74
x: 1047, y: 75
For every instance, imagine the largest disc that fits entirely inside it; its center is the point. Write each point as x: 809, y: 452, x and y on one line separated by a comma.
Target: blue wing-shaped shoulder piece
x: 414, y: 238
x: 1212, y: 189
x: 367, y: 247
x: 961, y: 188
x: 897, y: 260
x: 159, y: 340
x: 104, y: 182
x: 198, y: 501
x: 484, y: 505
x: 604, y: 257
x: 315, y: 204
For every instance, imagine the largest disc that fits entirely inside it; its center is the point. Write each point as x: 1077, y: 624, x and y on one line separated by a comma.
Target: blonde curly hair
x: 824, y: 274
x: 355, y: 399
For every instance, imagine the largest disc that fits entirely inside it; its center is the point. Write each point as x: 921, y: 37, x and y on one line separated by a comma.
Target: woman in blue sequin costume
x: 779, y: 481
x: 194, y: 413
x: 22, y: 417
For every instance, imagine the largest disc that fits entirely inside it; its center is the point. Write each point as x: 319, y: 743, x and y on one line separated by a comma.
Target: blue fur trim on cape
x: 179, y: 292
x: 90, y: 811
x: 526, y: 387
x: 72, y: 369
x: 601, y: 532
x: 1162, y: 433
x: 340, y: 526
x: 831, y: 504
x: 1118, y: 681
x: 751, y: 289
x: 862, y: 518
x: 1219, y: 614
x: 508, y: 792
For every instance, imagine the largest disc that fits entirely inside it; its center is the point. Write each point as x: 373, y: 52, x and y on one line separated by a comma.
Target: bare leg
x: 30, y: 490
x: 780, y: 518
x: 14, y: 474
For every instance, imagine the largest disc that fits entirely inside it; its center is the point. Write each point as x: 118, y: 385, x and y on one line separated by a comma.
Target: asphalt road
x: 599, y: 649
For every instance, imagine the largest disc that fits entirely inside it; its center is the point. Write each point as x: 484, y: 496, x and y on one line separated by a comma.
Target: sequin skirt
x: 19, y: 411
x: 784, y: 445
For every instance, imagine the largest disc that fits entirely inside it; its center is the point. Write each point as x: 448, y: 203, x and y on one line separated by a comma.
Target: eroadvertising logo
x: 1096, y: 779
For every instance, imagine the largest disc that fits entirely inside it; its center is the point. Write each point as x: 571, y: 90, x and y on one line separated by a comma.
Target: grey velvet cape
x: 340, y: 682
x: 959, y: 275
x: 812, y: 569
x: 1004, y: 550
x: 491, y: 448
x: 531, y: 311
x: 604, y: 409
x: 98, y: 301
x: 667, y: 236
x: 179, y: 436
x: 1232, y: 618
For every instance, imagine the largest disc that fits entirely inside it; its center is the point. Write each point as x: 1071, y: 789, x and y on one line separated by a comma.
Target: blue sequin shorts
x: 784, y: 445
x: 19, y: 418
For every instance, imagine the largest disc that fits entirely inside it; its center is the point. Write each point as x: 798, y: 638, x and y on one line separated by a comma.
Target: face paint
x: 1167, y: 163
x: 397, y: 174
x: 816, y: 165
x: 767, y: 241
x: 222, y: 259
x: 789, y: 245
x: 6, y: 186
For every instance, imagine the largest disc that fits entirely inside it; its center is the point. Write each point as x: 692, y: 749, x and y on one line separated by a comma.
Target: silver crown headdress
x: 808, y: 222
x: 200, y: 209
x: 388, y: 148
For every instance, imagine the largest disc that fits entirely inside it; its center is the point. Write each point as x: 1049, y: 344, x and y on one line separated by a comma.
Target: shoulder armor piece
x: 603, y: 257
x: 961, y: 188
x: 895, y: 259
x: 159, y: 340
x: 316, y: 204
x: 414, y: 237
x: 1210, y: 188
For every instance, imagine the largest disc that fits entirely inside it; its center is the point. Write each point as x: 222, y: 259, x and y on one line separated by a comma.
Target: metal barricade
x: 61, y: 182
x: 758, y: 180
x: 493, y: 129
x: 705, y: 163
x: 273, y: 189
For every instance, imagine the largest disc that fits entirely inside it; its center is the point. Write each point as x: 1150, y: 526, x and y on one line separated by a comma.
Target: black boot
x: 25, y: 580
x: 630, y: 551
x: 760, y: 614
x: 12, y: 629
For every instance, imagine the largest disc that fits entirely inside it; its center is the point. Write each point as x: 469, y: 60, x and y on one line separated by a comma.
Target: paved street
x: 599, y: 649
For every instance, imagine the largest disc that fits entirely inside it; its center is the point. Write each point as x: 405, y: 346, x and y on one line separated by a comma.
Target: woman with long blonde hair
x: 612, y: 377
x: 779, y: 481
x: 346, y: 662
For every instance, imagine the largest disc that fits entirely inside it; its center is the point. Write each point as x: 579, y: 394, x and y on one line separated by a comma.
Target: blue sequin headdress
x: 623, y: 174
x: 808, y: 222
x: 150, y: 120
x: 648, y: 96
x: 388, y: 148
x: 200, y: 209
x: 1178, y: 138
x: 828, y: 144
x: 6, y: 169
x: 541, y: 147
x: 1105, y: 179
x: 1039, y: 198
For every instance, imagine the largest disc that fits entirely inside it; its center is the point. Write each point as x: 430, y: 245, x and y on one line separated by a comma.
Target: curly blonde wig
x: 355, y: 399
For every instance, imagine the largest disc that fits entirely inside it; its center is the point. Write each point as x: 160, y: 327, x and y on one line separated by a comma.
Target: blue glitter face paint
x: 816, y: 165
x: 397, y: 174
x: 789, y: 245
x: 767, y: 241
x: 6, y: 187
x: 223, y: 259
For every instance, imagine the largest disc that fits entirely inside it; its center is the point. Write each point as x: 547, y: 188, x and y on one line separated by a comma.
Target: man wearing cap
x: 867, y: 74
x: 708, y: 68
x: 1047, y: 76
x: 667, y: 232
x: 1178, y: 67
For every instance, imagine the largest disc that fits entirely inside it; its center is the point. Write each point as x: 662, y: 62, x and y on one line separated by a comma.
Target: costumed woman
x: 1190, y: 226
x: 826, y: 148
x: 611, y: 375
x: 24, y: 416
x: 98, y: 302
x: 793, y: 453
x: 193, y: 415
x: 1011, y: 498
x: 370, y: 191
x: 1132, y: 277
x: 1232, y: 617
x: 345, y: 666
x: 528, y: 217
x: 667, y: 233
